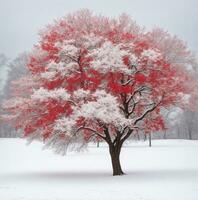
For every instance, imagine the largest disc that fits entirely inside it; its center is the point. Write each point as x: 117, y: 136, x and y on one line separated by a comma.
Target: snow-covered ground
x: 166, y: 171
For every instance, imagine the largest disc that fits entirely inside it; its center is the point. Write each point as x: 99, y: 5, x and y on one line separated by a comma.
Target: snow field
x: 166, y: 171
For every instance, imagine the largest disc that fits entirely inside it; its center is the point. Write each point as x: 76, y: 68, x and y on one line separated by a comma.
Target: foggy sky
x: 20, y: 20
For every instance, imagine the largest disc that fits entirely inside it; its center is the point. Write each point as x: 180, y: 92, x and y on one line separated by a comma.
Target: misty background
x: 21, y: 20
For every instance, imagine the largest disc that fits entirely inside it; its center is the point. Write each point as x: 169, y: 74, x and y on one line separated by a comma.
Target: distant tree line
x: 16, y: 68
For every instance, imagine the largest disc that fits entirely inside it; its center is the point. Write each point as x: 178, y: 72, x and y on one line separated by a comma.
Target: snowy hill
x: 166, y: 171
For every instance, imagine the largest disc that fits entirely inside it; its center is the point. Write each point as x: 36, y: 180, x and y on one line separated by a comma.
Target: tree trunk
x: 189, y: 133
x: 138, y: 136
x: 98, y: 143
x: 149, y: 139
x: 115, y: 159
x: 145, y: 136
x: 164, y: 137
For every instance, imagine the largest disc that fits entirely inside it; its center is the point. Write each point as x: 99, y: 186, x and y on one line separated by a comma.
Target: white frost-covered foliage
x: 68, y: 49
x: 185, y: 98
x: 151, y: 55
x: 133, y: 59
x: 91, y: 41
x: 15, y: 102
x: 81, y: 94
x: 38, y: 52
x: 63, y: 67
x: 18, y: 102
x: 104, y: 108
x: 43, y: 94
x: 48, y: 75
x: 109, y: 58
x: 65, y: 125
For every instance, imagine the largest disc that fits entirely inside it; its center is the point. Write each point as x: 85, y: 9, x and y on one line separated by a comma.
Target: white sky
x: 21, y: 20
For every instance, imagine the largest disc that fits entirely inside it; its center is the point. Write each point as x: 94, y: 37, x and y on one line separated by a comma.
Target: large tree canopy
x: 95, y: 77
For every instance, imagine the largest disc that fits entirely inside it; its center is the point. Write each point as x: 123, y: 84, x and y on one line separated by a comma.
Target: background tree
x: 91, y: 77
x: 176, y: 52
x: 16, y: 68
x: 3, y: 64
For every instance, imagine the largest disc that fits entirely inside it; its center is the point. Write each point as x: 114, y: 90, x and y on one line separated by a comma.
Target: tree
x: 174, y: 50
x: 3, y: 63
x: 91, y: 77
x: 16, y: 68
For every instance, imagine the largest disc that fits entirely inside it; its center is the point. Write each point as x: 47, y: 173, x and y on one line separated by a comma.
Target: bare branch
x: 126, y: 136
x: 126, y: 83
x: 90, y: 129
x: 148, y: 111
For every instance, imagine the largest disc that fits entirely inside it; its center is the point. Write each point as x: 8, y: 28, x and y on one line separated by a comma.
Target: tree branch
x: 148, y: 111
x: 90, y: 129
x: 126, y: 136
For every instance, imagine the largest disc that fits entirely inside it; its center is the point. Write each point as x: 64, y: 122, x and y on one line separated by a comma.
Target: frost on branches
x: 95, y: 78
